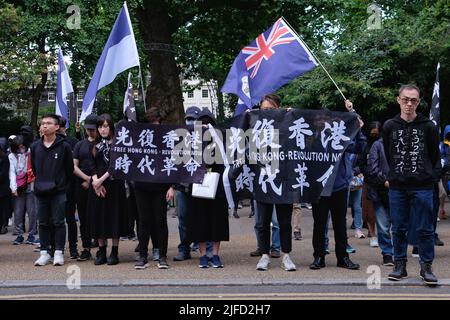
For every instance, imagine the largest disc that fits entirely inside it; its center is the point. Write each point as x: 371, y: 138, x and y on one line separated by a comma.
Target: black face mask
x: 373, y: 137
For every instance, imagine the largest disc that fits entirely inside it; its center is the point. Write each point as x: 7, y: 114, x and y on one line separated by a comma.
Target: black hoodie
x: 52, y: 166
x: 412, y: 151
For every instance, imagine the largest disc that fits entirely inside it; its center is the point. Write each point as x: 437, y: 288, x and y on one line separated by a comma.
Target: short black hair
x: 62, y: 121
x: 53, y: 116
x: 15, y: 144
x: 408, y: 87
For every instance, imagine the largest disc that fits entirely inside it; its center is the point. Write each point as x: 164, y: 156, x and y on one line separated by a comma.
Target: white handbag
x: 208, y: 188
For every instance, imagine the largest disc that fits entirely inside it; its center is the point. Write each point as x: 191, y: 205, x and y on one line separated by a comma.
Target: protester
x: 106, y: 200
x: 5, y: 191
x: 151, y: 199
x: 209, y: 219
x: 296, y: 214
x: 83, y: 161
x: 336, y: 203
x: 411, y: 144
x: 22, y: 191
x: 52, y: 163
x: 283, y: 213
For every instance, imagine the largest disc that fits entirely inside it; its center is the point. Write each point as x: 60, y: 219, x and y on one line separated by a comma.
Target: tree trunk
x: 164, y: 91
x: 37, y: 92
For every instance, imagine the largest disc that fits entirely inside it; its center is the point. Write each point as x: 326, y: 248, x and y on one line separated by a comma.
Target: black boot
x: 114, y: 257
x: 318, y: 263
x: 399, y: 272
x: 101, y: 256
x: 427, y: 274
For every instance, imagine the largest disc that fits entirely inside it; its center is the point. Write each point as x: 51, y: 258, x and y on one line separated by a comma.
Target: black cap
x: 91, y: 122
x: 206, y: 113
x: 192, y: 112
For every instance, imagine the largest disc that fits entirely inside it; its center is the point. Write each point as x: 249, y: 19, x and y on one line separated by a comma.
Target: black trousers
x: 337, y: 204
x: 132, y: 212
x: 82, y: 205
x: 152, y: 212
x: 284, y: 215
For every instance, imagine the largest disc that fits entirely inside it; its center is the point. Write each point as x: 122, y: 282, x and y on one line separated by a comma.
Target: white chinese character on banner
x: 245, y: 179
x: 191, y: 166
x: 264, y: 134
x: 122, y: 136
x: 146, y: 163
x: 326, y: 175
x: 169, y: 165
x: 170, y: 138
x: 334, y: 133
x: 267, y: 171
x: 123, y: 163
x: 235, y: 139
x: 301, y: 178
x: 299, y: 131
x: 192, y: 140
x: 146, y: 138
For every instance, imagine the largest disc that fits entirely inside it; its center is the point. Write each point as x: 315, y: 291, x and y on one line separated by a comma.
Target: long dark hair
x: 100, y: 121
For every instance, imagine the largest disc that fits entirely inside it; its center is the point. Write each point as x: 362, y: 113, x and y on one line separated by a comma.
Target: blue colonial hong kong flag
x: 63, y: 88
x: 120, y: 53
x: 273, y: 59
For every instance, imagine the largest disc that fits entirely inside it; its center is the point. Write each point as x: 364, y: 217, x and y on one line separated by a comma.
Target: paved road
x: 19, y: 276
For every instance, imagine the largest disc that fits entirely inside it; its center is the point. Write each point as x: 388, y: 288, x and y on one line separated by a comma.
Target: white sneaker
x: 373, y: 242
x: 43, y: 259
x: 359, y: 234
x: 287, y: 263
x: 263, y: 264
x: 58, y: 258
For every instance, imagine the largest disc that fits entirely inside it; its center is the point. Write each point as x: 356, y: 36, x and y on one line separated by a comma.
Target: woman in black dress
x: 107, y: 204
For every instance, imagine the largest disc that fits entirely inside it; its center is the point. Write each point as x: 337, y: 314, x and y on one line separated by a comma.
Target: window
x: 80, y: 95
x: 191, y: 94
x: 205, y: 93
x: 136, y: 94
x: 51, y: 96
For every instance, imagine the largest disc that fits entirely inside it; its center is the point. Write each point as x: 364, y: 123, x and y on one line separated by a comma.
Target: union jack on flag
x: 264, y: 48
x: 274, y: 58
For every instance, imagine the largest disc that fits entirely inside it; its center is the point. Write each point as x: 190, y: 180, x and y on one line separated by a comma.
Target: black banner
x: 157, y: 153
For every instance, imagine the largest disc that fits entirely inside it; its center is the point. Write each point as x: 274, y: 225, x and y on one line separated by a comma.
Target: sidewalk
x: 17, y: 270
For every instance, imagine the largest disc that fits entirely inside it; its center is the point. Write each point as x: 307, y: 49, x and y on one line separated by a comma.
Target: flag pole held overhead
x: 120, y: 53
x: 317, y: 59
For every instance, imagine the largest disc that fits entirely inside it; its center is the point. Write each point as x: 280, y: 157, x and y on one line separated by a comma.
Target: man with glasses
x: 411, y: 144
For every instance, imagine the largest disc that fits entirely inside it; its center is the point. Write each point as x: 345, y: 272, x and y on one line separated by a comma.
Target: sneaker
x: 58, y: 258
x: 426, y: 273
x: 399, y: 271
x: 141, y: 263
x: 85, y: 255
x: 438, y: 242
x: 181, y: 256
x: 263, y: 263
x: 373, y: 242
x: 350, y: 249
x: 287, y: 263
x: 30, y: 240
x: 235, y: 215
x: 327, y: 250
x: 3, y: 230
x: 256, y: 253
x: 360, y: 235
x: 415, y: 252
x: 388, y: 261
x: 297, y: 235
x: 37, y: 242
x: 43, y: 259
x: 215, y: 261
x: 162, y: 264
x: 275, y: 254
x: 18, y: 240
x: 155, y: 252
x: 124, y: 238
x: 204, y: 262
x: 251, y: 214
x: 74, y: 254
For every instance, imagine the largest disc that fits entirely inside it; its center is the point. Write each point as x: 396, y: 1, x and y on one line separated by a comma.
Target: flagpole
x: 143, y: 88
x: 315, y: 57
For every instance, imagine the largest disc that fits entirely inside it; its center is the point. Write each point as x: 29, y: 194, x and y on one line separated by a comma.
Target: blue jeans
x: 52, y: 214
x: 384, y: 224
x: 354, y: 200
x: 183, y: 205
x: 412, y: 206
x: 276, y: 244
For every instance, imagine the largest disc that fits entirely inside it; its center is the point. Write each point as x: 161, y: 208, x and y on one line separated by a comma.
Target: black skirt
x: 108, y: 216
x: 208, y: 220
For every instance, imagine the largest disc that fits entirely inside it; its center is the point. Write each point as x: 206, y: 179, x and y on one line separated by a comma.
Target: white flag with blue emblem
x: 63, y: 88
x: 120, y: 53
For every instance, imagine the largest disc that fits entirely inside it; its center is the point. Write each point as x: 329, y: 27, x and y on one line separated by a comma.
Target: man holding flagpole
x: 120, y: 53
